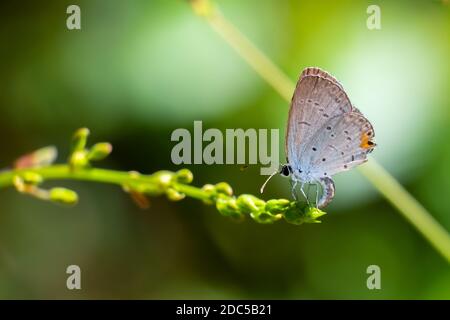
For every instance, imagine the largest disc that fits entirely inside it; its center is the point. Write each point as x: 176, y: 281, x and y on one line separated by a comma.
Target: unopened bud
x: 80, y: 139
x: 184, y: 176
x: 224, y: 188
x: 174, y: 195
x: 31, y: 178
x: 79, y: 159
x: 63, y: 195
x: 99, y: 151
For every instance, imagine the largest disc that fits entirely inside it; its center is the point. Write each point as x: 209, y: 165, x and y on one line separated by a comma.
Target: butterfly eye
x: 285, y: 170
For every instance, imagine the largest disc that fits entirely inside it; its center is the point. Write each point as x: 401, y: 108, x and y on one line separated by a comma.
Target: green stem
x: 382, y: 180
x: 121, y: 178
x: 190, y: 191
x: 408, y: 206
x: 63, y: 172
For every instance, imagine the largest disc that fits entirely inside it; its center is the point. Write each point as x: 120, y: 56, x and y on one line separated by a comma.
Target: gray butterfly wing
x: 318, y: 97
x: 342, y: 143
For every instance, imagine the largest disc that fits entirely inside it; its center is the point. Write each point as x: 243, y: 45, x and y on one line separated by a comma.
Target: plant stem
x: 257, y: 60
x: 121, y: 178
x: 382, y: 180
x: 408, y: 206
x: 191, y: 191
x: 62, y: 171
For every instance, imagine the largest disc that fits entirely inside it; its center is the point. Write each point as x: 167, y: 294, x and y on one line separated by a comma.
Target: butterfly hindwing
x: 341, y: 144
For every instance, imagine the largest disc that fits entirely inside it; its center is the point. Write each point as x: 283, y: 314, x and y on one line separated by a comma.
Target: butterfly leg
x: 308, y: 187
x: 317, y: 192
x: 293, y: 185
x: 304, y: 194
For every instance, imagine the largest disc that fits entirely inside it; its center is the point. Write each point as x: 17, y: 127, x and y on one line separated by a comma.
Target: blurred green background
x: 139, y: 69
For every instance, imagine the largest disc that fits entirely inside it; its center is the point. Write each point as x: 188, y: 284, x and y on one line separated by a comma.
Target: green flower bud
x: 300, y: 213
x: 248, y: 203
x: 63, y: 195
x: 174, y: 195
x: 184, y: 176
x: 295, y: 214
x: 79, y: 139
x: 31, y: 178
x: 265, y: 217
x: 312, y: 214
x: 210, y: 191
x: 208, y: 188
x: 224, y: 188
x: 163, y: 178
x: 277, y: 206
x: 99, y: 151
x: 228, y: 207
x: 79, y: 159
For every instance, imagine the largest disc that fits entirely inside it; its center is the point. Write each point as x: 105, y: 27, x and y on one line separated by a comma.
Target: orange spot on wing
x: 365, y: 141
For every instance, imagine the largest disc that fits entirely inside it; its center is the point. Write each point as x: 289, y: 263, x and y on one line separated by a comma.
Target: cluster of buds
x: 175, y: 185
x: 29, y: 183
x: 80, y: 156
x: 160, y: 183
x: 259, y: 210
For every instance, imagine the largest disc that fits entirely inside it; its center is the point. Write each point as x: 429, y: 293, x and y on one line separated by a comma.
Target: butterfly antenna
x: 264, y: 184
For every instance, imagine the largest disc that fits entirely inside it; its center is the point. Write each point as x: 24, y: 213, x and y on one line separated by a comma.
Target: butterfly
x: 325, y: 134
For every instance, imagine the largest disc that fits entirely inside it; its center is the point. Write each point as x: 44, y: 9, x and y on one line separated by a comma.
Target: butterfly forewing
x: 318, y: 98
